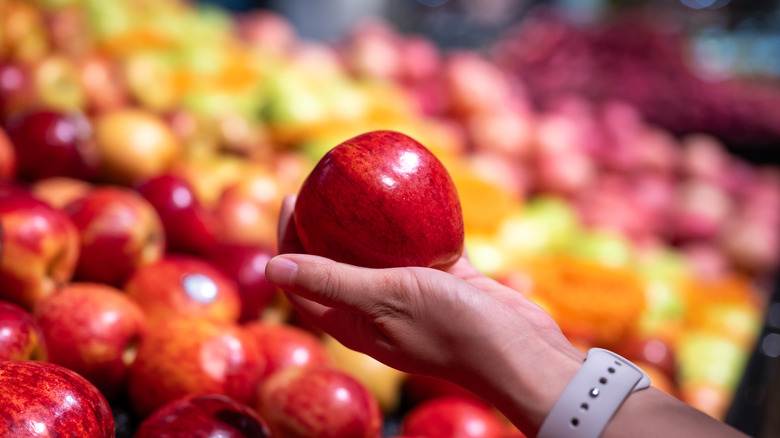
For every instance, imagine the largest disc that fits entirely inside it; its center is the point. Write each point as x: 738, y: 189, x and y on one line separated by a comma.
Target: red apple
x: 207, y: 415
x: 191, y: 355
x: 248, y: 209
x: 92, y: 329
x: 8, y: 162
x: 183, y: 285
x: 418, y: 388
x: 50, y: 143
x: 245, y: 264
x: 381, y: 199
x: 42, y: 399
x: 40, y: 249
x: 654, y: 351
x: 189, y: 227
x: 284, y: 345
x: 453, y: 417
x: 120, y: 231
x: 134, y: 144
x: 16, y: 88
x: 318, y: 401
x: 20, y: 335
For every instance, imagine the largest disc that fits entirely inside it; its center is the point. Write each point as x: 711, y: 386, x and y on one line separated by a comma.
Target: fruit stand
x: 146, y: 147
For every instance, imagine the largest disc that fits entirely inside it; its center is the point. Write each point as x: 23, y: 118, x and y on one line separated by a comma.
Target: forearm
x: 525, y: 386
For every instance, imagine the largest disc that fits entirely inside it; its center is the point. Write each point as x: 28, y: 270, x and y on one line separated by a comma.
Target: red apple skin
x: 318, y: 401
x: 190, y: 228
x: 190, y: 355
x: 92, y: 329
x: 120, y: 231
x: 245, y: 264
x: 8, y: 162
x: 40, y: 249
x: 51, y: 143
x: 654, y: 351
x: 452, y: 417
x: 381, y: 200
x: 42, y: 399
x: 20, y: 335
x: 284, y: 346
x: 203, y: 416
x: 179, y: 285
x: 16, y: 87
x: 418, y: 388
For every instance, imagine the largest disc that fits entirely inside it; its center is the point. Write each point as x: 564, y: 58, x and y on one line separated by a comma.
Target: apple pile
x: 145, y: 147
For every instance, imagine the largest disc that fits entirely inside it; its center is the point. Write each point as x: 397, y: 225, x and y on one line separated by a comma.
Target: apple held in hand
x: 318, y: 402
x: 186, y: 286
x: 20, y: 335
x: 41, y: 399
x: 39, y: 252
x: 92, y: 329
x: 207, y: 415
x: 192, y: 355
x: 381, y: 200
x: 119, y: 231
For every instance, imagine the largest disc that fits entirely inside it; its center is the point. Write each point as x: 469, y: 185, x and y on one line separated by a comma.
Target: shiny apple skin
x: 453, y: 417
x: 92, y: 329
x: 8, y: 161
x: 40, y: 249
x: 191, y: 355
x: 42, y: 399
x: 184, y: 286
x: 119, y: 232
x: 20, y: 335
x: 190, y: 228
x: 318, y: 402
x: 203, y: 416
x: 245, y: 264
x: 50, y: 143
x: 380, y: 200
x: 285, y: 346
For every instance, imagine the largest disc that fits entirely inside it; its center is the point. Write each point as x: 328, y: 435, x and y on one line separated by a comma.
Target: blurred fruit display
x: 146, y: 146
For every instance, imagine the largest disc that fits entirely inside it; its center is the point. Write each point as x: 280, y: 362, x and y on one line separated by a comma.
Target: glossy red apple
x: 189, y: 227
x: 284, y: 346
x: 42, y: 399
x: 418, y: 388
x: 179, y: 285
x: 51, y: 143
x: 245, y: 264
x: 191, y: 355
x: 379, y: 200
x: 20, y: 335
x: 206, y: 415
x: 40, y: 249
x: 119, y: 230
x: 92, y: 329
x: 318, y: 401
x: 453, y: 417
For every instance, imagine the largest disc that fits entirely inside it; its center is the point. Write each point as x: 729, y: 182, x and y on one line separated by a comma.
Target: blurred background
x: 622, y: 157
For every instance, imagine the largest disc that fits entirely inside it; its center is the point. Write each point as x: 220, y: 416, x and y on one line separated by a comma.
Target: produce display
x: 146, y: 146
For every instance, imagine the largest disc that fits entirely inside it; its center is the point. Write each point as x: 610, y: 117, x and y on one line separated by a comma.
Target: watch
x: 593, y: 396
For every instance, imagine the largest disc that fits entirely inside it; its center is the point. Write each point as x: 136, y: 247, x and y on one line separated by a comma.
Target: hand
x: 448, y: 324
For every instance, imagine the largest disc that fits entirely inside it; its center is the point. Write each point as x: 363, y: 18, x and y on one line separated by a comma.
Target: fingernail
x: 281, y: 271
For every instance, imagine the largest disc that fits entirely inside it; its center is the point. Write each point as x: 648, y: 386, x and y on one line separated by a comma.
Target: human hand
x: 449, y: 324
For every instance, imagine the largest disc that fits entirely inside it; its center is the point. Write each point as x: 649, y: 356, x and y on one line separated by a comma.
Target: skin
x: 501, y: 347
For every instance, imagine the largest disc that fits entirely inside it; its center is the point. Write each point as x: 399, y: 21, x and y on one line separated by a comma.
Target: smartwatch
x: 593, y: 396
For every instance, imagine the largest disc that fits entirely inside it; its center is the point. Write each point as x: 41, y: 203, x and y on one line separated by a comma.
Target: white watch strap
x: 593, y: 396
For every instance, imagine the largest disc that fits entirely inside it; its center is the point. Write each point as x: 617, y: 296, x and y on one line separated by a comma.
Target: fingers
x: 333, y: 284
x: 286, y: 234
